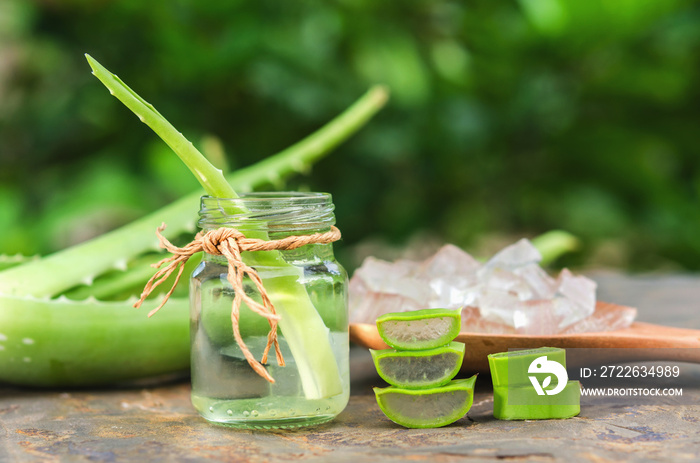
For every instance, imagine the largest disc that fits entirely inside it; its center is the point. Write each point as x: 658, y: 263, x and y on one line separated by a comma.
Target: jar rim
x: 280, y: 210
x: 273, y: 195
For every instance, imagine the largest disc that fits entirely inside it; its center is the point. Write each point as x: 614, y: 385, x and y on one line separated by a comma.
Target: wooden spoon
x: 639, y: 342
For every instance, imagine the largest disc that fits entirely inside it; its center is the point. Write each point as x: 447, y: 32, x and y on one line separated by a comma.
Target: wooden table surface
x: 159, y: 424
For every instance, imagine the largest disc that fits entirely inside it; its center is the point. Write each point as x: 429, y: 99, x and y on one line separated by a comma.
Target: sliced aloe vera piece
x: 427, y: 408
x: 419, y: 329
x: 419, y: 368
x: 523, y: 403
x: 512, y: 368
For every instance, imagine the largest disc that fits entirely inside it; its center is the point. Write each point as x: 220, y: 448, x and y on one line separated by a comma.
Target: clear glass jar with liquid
x: 309, y: 291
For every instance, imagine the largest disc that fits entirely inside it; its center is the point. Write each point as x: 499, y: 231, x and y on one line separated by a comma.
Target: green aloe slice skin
x: 427, y: 408
x: 420, y: 329
x: 511, y: 368
x: 419, y: 369
x: 523, y: 403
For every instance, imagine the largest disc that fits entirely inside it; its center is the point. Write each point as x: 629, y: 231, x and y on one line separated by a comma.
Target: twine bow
x: 229, y: 242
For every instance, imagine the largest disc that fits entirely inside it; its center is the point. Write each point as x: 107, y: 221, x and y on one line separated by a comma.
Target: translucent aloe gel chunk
x: 419, y: 369
x: 419, y: 329
x: 427, y: 408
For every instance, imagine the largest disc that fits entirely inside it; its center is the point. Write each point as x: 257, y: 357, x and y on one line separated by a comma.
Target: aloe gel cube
x: 511, y: 368
x: 533, y: 384
x: 523, y: 403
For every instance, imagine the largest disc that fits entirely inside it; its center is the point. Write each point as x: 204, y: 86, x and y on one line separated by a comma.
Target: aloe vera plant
x: 47, y: 339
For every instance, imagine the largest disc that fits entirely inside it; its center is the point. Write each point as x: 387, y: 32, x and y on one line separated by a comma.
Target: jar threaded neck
x: 271, y: 211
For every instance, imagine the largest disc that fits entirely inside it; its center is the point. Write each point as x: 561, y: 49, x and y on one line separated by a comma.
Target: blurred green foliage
x: 508, y: 118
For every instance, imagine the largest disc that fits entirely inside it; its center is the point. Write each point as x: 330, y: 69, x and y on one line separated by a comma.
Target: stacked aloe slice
x: 420, y: 366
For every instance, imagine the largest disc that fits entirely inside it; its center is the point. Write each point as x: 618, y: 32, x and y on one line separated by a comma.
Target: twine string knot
x: 229, y: 242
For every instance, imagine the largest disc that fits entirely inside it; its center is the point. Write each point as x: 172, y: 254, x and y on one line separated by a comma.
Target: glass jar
x: 309, y: 291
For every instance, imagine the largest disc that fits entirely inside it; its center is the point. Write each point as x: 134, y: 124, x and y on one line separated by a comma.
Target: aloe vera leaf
x: 419, y: 329
x: 427, y: 408
x: 60, y: 342
x: 413, y: 369
x: 7, y: 261
x: 111, y: 284
x: 122, y: 284
x: 213, y: 150
x: 211, y: 178
x: 318, y: 369
x: 85, y: 343
x: 555, y: 243
x: 307, y: 337
x: 79, y: 264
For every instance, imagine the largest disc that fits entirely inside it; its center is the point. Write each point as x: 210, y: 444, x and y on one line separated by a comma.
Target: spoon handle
x: 639, y: 342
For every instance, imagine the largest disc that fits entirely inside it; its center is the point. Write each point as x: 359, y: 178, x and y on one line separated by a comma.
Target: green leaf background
x: 507, y: 118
